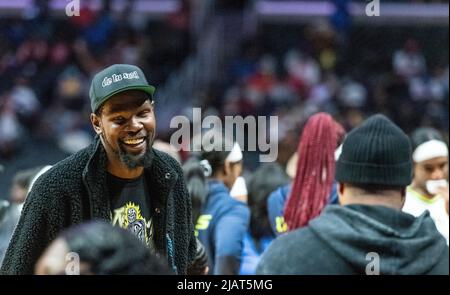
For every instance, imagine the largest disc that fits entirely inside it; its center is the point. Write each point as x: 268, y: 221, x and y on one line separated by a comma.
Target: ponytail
x: 194, y: 174
x: 213, y: 156
x: 314, y: 176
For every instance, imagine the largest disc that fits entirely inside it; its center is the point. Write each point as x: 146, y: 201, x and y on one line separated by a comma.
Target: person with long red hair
x: 313, y: 186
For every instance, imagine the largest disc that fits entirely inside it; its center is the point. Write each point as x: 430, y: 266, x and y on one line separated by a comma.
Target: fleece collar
x: 160, y: 176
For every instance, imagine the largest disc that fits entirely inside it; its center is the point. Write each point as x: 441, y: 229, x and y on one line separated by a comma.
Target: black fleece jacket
x: 75, y: 190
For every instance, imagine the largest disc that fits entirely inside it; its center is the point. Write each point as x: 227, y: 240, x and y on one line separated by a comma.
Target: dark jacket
x: 348, y: 239
x: 75, y: 190
x: 221, y: 229
x: 277, y: 201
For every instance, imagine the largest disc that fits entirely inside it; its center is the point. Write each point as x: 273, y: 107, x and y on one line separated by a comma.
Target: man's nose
x: 437, y: 174
x: 134, y: 125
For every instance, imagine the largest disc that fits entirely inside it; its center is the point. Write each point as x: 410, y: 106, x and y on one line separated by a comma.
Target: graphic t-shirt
x: 130, y: 205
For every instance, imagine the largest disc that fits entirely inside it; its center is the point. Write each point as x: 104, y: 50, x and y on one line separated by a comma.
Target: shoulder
x: 71, y: 166
x: 277, y: 200
x: 292, y: 239
x: 284, y: 256
x: 238, y: 208
x: 280, y: 195
x: 168, y: 161
x: 165, y: 157
x: 222, y: 204
x: 232, y: 207
x: 61, y: 176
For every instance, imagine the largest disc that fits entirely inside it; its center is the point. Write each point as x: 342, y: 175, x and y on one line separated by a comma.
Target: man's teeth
x: 134, y: 141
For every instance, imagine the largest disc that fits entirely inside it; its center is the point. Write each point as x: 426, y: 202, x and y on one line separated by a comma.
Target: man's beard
x: 133, y: 161
x: 140, y: 160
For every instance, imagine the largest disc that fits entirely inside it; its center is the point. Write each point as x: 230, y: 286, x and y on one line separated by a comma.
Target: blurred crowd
x: 319, y: 89
x: 46, y: 64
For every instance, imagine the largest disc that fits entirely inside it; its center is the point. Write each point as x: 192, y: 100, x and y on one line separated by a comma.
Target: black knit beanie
x: 377, y: 152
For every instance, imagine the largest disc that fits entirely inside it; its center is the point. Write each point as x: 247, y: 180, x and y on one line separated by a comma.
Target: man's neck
x: 220, y: 177
x: 376, y: 202
x: 117, y: 168
x: 392, y: 199
x: 122, y: 171
x: 421, y: 191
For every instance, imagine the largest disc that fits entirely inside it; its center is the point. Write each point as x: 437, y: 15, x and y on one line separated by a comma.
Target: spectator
x: 313, y: 186
x: 409, y: 61
x: 373, y: 171
x: 102, y: 250
x: 221, y: 221
x: 259, y: 235
x: 21, y: 184
x: 10, y: 129
x: 429, y: 188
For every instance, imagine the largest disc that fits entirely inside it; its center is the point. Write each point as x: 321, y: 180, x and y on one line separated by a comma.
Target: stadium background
x: 284, y: 58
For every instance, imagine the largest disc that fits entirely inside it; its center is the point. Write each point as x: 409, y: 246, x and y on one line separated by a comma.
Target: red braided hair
x: 315, y: 170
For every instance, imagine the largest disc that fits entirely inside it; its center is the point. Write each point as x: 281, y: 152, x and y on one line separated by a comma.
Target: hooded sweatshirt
x: 360, y: 239
x: 221, y: 229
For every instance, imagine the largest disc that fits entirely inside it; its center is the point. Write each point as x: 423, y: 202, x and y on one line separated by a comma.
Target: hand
x: 200, y: 264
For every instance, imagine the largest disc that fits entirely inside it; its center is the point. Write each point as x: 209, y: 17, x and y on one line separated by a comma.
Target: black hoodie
x: 351, y: 239
x: 75, y: 190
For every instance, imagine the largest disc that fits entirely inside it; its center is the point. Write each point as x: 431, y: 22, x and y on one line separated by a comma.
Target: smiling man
x: 119, y: 178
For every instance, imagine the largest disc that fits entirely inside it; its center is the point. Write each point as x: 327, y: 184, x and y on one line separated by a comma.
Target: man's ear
x: 340, y: 191
x: 226, y: 168
x: 403, y: 191
x: 341, y: 188
x: 96, y: 123
x: 403, y: 196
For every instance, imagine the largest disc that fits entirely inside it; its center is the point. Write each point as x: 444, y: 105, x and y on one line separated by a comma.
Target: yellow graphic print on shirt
x: 129, y: 217
x: 281, y: 225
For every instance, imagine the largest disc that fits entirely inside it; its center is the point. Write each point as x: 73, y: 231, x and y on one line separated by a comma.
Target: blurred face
x: 127, y: 125
x: 53, y: 261
x: 433, y: 169
x: 18, y: 194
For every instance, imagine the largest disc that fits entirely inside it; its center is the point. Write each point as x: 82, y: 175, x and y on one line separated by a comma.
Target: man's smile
x: 134, y: 145
x: 134, y: 141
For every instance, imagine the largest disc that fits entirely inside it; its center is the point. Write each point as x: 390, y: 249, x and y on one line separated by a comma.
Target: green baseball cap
x: 115, y: 79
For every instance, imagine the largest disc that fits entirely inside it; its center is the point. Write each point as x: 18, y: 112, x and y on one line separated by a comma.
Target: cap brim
x: 149, y: 89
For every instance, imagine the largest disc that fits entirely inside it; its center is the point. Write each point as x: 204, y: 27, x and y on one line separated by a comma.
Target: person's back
x: 252, y: 252
x: 259, y: 235
x: 221, y: 221
x: 221, y: 229
x: 352, y: 239
x: 313, y: 185
x: 277, y: 201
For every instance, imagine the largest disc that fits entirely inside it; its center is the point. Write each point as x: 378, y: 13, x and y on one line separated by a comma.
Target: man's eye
x: 143, y: 114
x: 119, y: 120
